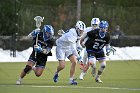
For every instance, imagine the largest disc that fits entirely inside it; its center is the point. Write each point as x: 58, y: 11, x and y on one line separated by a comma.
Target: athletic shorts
x: 40, y: 60
x: 98, y: 56
x: 63, y: 53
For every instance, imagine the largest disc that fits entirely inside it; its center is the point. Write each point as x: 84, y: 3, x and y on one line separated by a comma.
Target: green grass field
x: 119, y: 77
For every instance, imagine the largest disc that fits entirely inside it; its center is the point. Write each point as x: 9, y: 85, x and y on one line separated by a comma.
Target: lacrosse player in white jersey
x: 94, y: 25
x: 66, y: 49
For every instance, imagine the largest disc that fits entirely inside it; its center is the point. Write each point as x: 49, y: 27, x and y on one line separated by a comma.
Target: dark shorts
x: 40, y: 60
x: 97, y: 55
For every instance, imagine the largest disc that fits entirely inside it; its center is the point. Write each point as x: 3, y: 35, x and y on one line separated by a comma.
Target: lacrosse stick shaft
x: 38, y: 20
x: 36, y: 44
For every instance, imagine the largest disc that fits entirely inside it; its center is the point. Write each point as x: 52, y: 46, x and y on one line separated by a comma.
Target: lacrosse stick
x: 113, y: 50
x: 38, y: 20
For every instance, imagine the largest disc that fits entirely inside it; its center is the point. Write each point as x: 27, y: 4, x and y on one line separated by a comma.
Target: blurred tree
x: 7, y: 18
x: 62, y: 14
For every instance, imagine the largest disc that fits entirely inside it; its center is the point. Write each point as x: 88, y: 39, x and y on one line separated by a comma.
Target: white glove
x: 109, y: 50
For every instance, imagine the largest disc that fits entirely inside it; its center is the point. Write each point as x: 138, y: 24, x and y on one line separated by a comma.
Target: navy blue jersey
x: 96, y: 42
x: 44, y: 44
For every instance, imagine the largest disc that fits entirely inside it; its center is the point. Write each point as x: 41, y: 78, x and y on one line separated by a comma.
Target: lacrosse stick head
x: 38, y: 20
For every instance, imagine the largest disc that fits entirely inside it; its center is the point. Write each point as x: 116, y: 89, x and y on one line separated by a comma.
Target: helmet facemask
x: 95, y: 26
x: 48, y: 32
x: 80, y: 27
x: 103, y: 28
x: 95, y: 23
x: 79, y: 32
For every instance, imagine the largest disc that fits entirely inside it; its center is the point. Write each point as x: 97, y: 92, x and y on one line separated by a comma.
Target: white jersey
x: 67, y: 39
x: 88, y: 29
x: 66, y: 44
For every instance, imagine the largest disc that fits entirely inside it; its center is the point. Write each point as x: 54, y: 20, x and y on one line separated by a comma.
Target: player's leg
x: 84, y: 71
x: 25, y: 71
x: 100, y: 71
x: 84, y: 65
x: 84, y: 59
x: 92, y: 62
x: 60, y: 54
x: 102, y: 60
x: 40, y: 65
x: 60, y: 67
x: 73, y: 60
x: 93, y: 66
x: 38, y: 70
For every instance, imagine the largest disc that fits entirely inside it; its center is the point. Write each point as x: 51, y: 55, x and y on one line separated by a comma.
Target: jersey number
x: 98, y: 46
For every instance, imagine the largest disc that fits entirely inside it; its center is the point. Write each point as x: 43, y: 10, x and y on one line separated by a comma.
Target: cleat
x: 73, y: 82
x: 93, y: 72
x: 55, y: 78
x: 18, y: 82
x: 98, y: 80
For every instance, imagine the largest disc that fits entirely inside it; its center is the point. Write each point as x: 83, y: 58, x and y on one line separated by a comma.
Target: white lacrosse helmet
x: 95, y: 23
x: 80, y: 27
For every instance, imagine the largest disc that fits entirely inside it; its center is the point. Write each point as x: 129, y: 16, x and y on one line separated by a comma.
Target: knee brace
x: 102, y: 66
x: 27, y: 68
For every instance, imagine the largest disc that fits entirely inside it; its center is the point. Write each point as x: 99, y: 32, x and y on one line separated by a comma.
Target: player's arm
x: 109, y: 48
x: 46, y: 49
x: 79, y: 48
x: 83, y: 39
x: 108, y: 45
x: 34, y: 33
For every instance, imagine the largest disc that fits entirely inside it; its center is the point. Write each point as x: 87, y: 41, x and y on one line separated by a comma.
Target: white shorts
x: 63, y: 53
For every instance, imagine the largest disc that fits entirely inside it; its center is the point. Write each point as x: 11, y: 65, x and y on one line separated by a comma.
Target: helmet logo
x: 94, y: 21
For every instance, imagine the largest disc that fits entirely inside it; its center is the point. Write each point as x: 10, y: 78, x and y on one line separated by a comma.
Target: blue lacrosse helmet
x: 48, y: 32
x: 103, y: 24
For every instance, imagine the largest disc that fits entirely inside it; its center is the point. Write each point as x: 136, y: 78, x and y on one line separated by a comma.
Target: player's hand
x: 110, y: 50
x: 37, y: 48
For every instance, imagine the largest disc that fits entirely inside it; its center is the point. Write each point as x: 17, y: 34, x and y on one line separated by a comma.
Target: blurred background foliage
x: 17, y: 15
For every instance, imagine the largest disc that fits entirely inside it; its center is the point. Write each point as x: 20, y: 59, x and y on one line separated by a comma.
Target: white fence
x: 126, y: 53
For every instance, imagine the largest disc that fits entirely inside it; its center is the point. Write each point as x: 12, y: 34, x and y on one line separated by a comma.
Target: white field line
x: 80, y: 87
x: 75, y: 87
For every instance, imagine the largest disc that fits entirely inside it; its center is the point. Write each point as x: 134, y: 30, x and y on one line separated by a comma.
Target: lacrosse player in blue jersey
x: 97, y: 39
x: 43, y: 43
x: 94, y: 25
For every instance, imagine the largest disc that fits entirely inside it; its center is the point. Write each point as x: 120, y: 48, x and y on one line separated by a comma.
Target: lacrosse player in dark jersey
x: 43, y: 43
x: 97, y: 39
